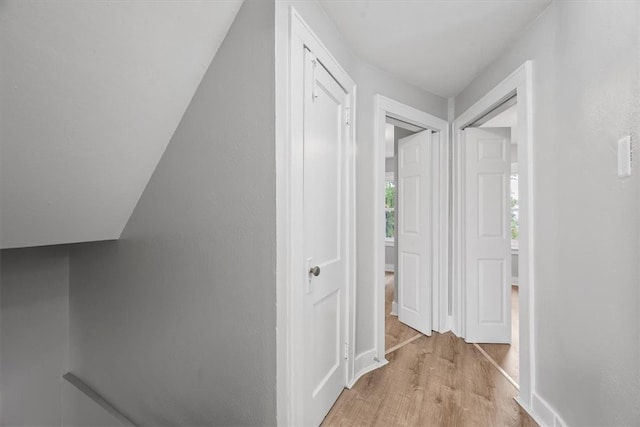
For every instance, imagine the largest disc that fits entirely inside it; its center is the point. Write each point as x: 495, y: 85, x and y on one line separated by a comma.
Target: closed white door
x: 414, y: 231
x: 488, y: 235
x: 325, y: 239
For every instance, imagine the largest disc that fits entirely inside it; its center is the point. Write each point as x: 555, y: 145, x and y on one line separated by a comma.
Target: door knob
x: 315, y: 271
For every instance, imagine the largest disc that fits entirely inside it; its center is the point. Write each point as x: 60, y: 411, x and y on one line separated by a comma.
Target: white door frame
x: 440, y: 209
x: 291, y: 269
x: 519, y: 83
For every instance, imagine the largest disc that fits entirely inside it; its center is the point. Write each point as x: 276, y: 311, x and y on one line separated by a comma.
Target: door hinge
x: 346, y: 351
x: 347, y: 116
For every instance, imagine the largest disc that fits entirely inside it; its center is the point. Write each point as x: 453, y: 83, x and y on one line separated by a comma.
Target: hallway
x: 437, y: 380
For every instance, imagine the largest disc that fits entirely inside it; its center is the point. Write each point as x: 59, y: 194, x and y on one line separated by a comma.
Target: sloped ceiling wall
x: 90, y: 95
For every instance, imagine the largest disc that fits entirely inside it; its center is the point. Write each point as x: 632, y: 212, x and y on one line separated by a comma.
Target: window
x: 390, y: 207
x: 515, y: 232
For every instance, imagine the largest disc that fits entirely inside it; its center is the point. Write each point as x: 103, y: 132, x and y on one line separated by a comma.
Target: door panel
x: 410, y: 192
x: 490, y: 280
x: 491, y: 206
x: 411, y: 273
x: 326, y: 313
x: 414, y: 231
x: 488, y: 237
x: 324, y: 239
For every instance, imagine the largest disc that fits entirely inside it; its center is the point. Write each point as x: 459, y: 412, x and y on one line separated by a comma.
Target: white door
x: 414, y: 231
x: 325, y: 239
x: 488, y: 235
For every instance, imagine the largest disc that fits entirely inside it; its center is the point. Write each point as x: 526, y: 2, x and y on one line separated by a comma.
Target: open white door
x: 325, y: 240
x: 488, y: 236
x: 414, y: 231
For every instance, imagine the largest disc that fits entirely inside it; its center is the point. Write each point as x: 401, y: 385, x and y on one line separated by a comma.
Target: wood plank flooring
x: 395, y: 332
x: 508, y: 356
x: 432, y: 381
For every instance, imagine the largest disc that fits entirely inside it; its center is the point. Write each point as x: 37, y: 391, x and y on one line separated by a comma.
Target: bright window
x: 515, y: 232
x: 390, y: 207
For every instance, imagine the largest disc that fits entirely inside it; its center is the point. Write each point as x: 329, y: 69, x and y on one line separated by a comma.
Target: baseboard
x: 365, y: 363
x: 389, y: 268
x: 514, y: 280
x: 541, y: 412
x: 445, y: 325
x: 528, y: 410
x: 394, y: 308
x: 91, y: 397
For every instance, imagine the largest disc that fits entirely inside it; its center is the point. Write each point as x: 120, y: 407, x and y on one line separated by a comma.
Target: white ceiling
x: 90, y: 96
x: 438, y: 45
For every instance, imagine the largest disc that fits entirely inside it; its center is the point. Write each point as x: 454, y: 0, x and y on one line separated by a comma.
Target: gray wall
x: 587, y: 298
x: 175, y: 323
x: 34, y: 320
x: 390, y: 256
x: 390, y: 164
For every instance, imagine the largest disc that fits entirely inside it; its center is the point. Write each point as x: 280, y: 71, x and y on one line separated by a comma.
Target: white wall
x: 34, y: 321
x: 175, y: 323
x: 370, y: 81
x: 587, y: 298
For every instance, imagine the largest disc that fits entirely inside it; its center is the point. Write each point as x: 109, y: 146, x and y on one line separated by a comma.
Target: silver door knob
x: 315, y: 271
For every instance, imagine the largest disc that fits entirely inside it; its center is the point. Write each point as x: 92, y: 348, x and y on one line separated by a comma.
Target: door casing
x: 520, y: 84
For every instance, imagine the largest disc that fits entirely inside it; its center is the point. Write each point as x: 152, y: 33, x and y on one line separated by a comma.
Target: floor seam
x: 402, y: 344
x: 498, y: 367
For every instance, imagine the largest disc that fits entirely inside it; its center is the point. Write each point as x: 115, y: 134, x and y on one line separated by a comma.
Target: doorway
x: 519, y: 87
x: 504, y: 352
x: 422, y: 132
x: 397, y: 333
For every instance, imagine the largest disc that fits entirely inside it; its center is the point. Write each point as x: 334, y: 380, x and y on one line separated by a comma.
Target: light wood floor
x: 508, y: 356
x: 395, y: 332
x: 432, y: 381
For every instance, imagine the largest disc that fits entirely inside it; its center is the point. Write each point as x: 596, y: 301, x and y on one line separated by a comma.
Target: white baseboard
x: 445, y: 326
x: 514, y: 280
x: 530, y: 412
x: 542, y: 413
x: 365, y: 363
x: 394, y: 308
x: 389, y: 268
